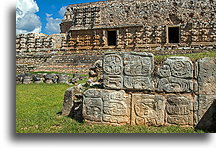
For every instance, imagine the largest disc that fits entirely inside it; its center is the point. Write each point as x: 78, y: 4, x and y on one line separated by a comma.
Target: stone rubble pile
x: 49, y: 78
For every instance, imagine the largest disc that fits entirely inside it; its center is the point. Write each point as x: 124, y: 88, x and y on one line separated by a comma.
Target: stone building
x: 141, y: 24
x: 36, y: 42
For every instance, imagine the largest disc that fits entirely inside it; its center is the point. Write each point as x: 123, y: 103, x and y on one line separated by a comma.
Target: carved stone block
x: 205, y: 71
x: 138, y: 83
x: 128, y: 71
x: 172, y: 84
x: 92, y: 109
x: 179, y: 109
x: 113, y: 81
x: 116, y: 107
x: 175, y: 75
x: 106, y: 106
x: 112, y: 64
x: 138, y: 65
x: 147, y: 109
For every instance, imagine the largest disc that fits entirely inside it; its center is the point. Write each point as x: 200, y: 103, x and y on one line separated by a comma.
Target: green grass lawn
x: 38, y: 105
x: 193, y: 56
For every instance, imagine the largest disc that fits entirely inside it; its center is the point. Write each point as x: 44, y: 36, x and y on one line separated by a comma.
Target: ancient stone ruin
x: 135, y: 91
x: 140, y: 24
x: 89, y: 30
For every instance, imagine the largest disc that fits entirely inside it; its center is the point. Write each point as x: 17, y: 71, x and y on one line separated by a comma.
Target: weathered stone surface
x: 113, y: 64
x: 128, y: 71
x: 68, y: 102
x: 113, y: 81
x: 204, y: 110
x: 147, y: 109
x: 130, y: 97
x: 173, y: 84
x: 179, y: 109
x: 39, y: 78
x: 51, y: 78
x: 62, y: 78
x: 205, y: 71
x: 27, y: 79
x: 204, y: 113
x: 175, y: 75
x: 106, y: 106
x: 92, y: 105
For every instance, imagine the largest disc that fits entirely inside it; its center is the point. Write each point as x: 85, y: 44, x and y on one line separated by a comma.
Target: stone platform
x: 134, y: 91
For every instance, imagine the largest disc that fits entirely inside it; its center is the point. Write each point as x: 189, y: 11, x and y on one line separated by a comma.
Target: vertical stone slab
x: 106, y: 106
x: 179, y: 109
x: 68, y: 101
x: 175, y: 75
x: 93, y: 105
x: 147, y: 109
x: 205, y: 112
x: 113, y: 69
x: 205, y: 72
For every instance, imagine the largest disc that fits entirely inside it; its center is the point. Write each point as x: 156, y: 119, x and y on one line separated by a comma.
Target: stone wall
x: 62, y: 62
x: 140, y: 24
x: 49, y: 78
x: 136, y: 92
x: 119, y: 13
x: 37, y: 42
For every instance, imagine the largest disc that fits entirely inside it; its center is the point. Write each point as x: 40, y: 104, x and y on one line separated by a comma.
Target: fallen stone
x: 68, y: 101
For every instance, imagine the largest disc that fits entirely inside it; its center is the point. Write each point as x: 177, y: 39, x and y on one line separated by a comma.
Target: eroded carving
x: 112, y: 64
x: 138, y: 82
x: 136, y: 65
x: 93, y: 109
x: 147, y: 109
x: 114, y: 81
x: 179, y: 110
x: 172, y: 84
x: 128, y: 71
x: 116, y: 107
x: 106, y: 106
x: 175, y: 75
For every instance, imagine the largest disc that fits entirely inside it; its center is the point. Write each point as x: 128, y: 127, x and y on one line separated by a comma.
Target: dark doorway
x: 112, y: 38
x: 173, y: 34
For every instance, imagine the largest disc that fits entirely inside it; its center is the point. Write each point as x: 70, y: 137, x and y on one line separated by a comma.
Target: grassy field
x: 38, y: 105
x: 192, y: 56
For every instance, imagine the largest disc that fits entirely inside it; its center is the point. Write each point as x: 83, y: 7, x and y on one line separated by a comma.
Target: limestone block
x: 147, y: 109
x: 106, y: 106
x: 128, y: 71
x: 51, y: 78
x: 39, y: 78
x: 27, y: 79
x: 68, y: 101
x: 138, y: 83
x: 205, y: 72
x: 113, y: 81
x: 179, y: 109
x: 205, y: 112
x: 172, y: 84
x: 92, y: 105
x: 62, y: 78
x: 175, y: 75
